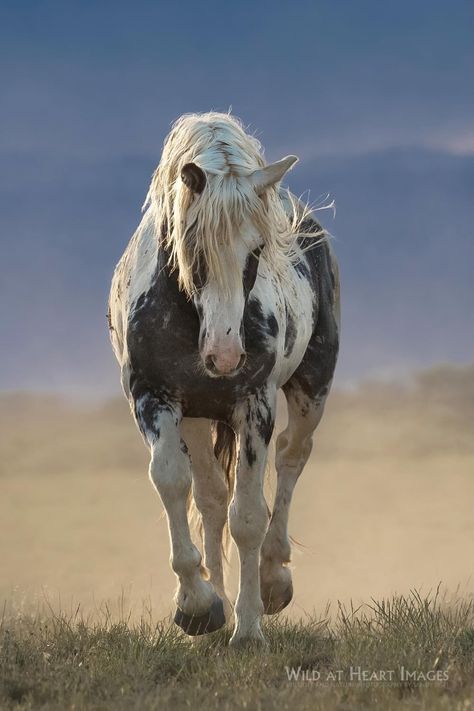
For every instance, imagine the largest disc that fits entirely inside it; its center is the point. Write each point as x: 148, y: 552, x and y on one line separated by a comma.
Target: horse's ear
x: 271, y: 174
x: 193, y: 177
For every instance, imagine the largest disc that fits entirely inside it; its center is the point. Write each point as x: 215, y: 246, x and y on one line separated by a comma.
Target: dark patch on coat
x: 147, y: 410
x: 317, y: 367
x: 290, y: 333
x: 272, y: 326
x: 251, y: 271
x: 266, y: 327
x: 264, y: 417
x: 302, y: 269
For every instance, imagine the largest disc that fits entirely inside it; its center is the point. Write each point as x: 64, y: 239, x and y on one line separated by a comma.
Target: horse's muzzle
x: 224, y: 366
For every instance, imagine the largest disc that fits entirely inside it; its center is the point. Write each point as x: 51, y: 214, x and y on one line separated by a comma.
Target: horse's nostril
x: 242, y: 360
x: 210, y: 365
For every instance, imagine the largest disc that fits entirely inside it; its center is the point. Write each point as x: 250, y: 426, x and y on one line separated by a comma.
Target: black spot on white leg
x: 147, y: 410
x: 264, y: 418
x: 260, y: 420
x: 249, y: 445
x: 250, y: 452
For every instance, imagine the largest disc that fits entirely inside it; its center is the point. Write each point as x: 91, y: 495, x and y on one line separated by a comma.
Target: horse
x: 227, y: 292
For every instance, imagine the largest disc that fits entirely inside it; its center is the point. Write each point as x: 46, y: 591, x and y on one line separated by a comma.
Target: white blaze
x: 221, y: 323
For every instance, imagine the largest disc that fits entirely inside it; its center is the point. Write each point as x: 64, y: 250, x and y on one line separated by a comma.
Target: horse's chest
x: 163, y: 339
x: 163, y: 350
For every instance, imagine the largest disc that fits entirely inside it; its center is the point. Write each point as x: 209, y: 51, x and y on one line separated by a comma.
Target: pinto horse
x: 227, y: 292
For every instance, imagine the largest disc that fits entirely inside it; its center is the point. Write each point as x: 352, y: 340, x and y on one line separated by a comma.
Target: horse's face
x: 221, y: 311
x: 221, y: 333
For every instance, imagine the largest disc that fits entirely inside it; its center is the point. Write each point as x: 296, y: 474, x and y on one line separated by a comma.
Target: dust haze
x: 384, y: 505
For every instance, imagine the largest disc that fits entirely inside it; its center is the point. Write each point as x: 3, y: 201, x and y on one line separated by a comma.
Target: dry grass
x: 404, y: 652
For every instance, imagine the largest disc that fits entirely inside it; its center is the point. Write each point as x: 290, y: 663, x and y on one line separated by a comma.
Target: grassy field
x: 402, y: 653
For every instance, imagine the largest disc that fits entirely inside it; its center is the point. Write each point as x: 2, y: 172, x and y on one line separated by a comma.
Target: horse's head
x: 224, y: 275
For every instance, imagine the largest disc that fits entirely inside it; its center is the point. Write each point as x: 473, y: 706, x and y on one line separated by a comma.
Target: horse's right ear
x: 193, y: 177
x: 263, y: 178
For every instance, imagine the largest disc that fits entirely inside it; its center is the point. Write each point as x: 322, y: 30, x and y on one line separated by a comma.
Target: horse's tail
x: 225, y: 450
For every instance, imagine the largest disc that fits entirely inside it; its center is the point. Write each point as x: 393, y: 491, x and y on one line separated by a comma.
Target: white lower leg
x: 171, y: 474
x: 275, y: 576
x: 248, y: 524
x: 292, y: 451
x: 214, y: 517
x: 248, y: 512
x: 210, y: 495
x: 289, y: 465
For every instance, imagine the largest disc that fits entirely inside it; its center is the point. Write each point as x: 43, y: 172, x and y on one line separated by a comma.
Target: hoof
x: 255, y: 642
x: 195, y: 625
x: 275, y: 598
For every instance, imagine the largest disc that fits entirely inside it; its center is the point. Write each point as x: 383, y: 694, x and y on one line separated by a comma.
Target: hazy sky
x: 376, y: 99
x: 91, y: 79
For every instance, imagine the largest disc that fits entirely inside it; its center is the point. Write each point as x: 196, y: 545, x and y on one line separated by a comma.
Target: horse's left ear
x: 193, y: 177
x: 271, y: 174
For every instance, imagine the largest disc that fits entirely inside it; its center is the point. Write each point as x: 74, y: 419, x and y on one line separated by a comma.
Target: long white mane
x: 203, y: 227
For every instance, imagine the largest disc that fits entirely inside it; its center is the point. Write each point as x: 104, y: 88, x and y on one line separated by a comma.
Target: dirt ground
x: 384, y: 505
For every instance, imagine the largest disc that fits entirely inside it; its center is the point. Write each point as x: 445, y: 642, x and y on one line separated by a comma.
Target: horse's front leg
x: 293, y: 448
x: 248, y: 517
x: 211, y: 497
x: 200, y: 610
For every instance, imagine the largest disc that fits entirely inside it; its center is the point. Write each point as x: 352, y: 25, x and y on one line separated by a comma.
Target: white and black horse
x: 227, y: 292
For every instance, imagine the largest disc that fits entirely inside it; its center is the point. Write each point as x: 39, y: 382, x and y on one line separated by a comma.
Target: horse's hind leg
x: 293, y: 447
x: 211, y: 498
x: 200, y: 610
